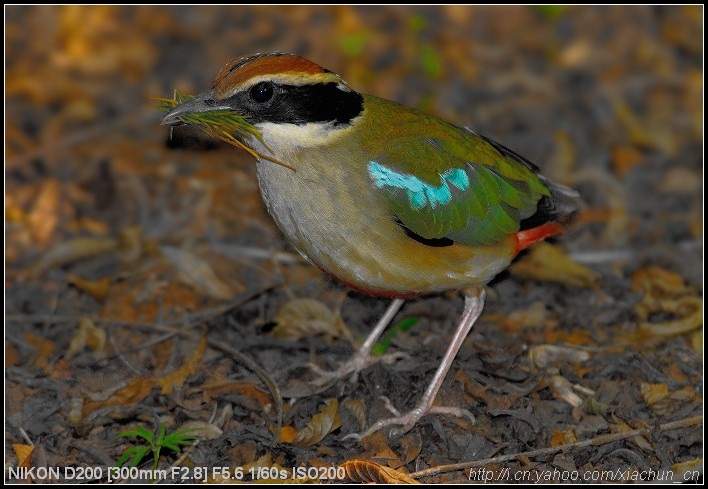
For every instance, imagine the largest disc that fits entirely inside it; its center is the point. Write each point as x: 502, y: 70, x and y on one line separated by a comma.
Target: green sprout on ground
x: 173, y: 442
x: 404, y: 325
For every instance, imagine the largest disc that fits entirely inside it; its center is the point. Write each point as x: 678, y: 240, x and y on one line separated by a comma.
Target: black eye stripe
x: 298, y: 104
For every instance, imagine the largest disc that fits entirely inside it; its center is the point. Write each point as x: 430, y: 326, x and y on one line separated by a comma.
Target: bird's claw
x: 352, y: 368
x: 408, y: 420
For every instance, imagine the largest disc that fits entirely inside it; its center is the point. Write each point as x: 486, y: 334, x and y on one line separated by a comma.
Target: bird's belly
x: 350, y: 235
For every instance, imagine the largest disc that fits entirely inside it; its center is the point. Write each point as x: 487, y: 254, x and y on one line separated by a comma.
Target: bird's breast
x: 331, y: 211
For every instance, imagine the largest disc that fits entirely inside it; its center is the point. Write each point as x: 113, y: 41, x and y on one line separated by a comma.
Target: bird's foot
x: 352, y: 368
x: 408, y: 420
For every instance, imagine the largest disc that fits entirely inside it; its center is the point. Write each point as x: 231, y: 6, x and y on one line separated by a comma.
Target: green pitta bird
x: 388, y: 200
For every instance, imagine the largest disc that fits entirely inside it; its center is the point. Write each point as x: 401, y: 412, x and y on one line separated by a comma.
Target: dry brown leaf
x: 145, y: 300
x: 299, y: 318
x: 625, y: 158
x: 202, y: 429
x: 267, y: 471
x: 177, y: 378
x: 357, y: 409
x: 563, y: 437
x: 618, y: 224
x: 44, y: 216
x: 534, y: 316
x: 694, y: 466
x: 562, y: 162
x: 72, y: 251
x: 88, y: 334
x: 197, y: 273
x: 220, y: 386
x: 133, y: 393
x: 640, y: 441
x: 411, y: 446
x: 646, y: 132
x: 684, y: 394
x: 12, y: 356
x: 377, y: 447
x: 546, y: 262
x: 76, y: 407
x: 45, y: 349
x: 98, y: 289
x: 288, y: 434
x: 697, y: 341
x: 653, y: 393
x: 321, y: 424
x: 552, y: 355
x: 131, y: 243
x: 92, y: 40
x: 665, y: 292
x: 23, y: 453
x: 367, y: 472
x: 562, y: 389
x: 681, y: 180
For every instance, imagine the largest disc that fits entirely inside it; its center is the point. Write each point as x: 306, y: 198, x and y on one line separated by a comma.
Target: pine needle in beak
x: 224, y: 125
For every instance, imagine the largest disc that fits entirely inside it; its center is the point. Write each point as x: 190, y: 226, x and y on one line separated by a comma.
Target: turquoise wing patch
x: 473, y: 204
x: 420, y: 194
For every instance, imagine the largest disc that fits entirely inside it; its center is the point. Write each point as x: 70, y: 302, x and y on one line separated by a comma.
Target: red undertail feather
x: 528, y: 237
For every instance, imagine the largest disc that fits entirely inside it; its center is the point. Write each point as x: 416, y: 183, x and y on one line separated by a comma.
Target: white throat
x: 283, y: 138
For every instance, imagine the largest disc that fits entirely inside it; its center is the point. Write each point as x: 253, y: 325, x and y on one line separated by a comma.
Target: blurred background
x: 109, y: 220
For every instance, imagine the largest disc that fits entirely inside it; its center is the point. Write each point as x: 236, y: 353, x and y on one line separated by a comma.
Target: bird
x: 388, y: 200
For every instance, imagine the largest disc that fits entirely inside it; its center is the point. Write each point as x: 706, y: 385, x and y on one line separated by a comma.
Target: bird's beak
x: 204, y: 102
x: 240, y: 128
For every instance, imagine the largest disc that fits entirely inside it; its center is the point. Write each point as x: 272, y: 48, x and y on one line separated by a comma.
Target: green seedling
x: 383, y: 345
x: 173, y: 442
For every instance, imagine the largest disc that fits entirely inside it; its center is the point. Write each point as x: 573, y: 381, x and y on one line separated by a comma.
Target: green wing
x: 466, y: 188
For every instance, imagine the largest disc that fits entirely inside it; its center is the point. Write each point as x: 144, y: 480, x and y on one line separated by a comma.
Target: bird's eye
x: 262, y: 92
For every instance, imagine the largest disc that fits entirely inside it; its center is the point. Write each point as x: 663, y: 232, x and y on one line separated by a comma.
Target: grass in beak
x: 221, y: 124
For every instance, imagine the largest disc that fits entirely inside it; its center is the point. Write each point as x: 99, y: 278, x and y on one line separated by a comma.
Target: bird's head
x: 291, y: 101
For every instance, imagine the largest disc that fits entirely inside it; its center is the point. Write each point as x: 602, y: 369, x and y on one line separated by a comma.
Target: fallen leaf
x: 202, y: 429
x: 365, y: 471
x: 44, y: 216
x: 694, y: 467
x: 377, y: 447
x: 23, y: 453
x: 665, y: 292
x: 98, y: 289
x: 625, y: 158
x: 653, y: 393
x: 697, y: 341
x: 88, y: 334
x: 197, y: 273
x: 221, y: 386
x: 72, y: 251
x: 552, y: 355
x: 357, y: 409
x: 681, y: 180
x: 305, y: 317
x: 177, y: 378
x: 133, y: 393
x: 44, y: 350
x: 546, y: 262
x: 640, y: 441
x: 563, y: 437
x: 562, y: 389
x: 411, y: 446
x: 534, y: 316
x: 288, y: 434
x: 321, y: 424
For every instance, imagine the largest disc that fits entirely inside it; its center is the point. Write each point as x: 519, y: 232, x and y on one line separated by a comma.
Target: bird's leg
x: 362, y: 358
x: 474, y: 303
